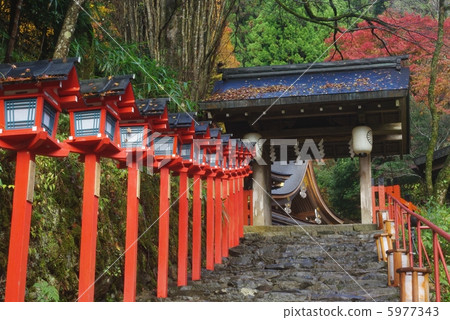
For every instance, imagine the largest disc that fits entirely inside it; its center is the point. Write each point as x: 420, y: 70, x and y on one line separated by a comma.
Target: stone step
x: 330, y: 263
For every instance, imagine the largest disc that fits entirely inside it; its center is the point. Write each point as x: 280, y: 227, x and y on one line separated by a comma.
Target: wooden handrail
x: 398, y: 208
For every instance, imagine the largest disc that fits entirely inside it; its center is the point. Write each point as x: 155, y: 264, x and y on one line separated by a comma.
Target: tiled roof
x: 43, y: 70
x: 181, y: 119
x: 325, y: 78
x: 201, y: 127
x: 105, y: 86
x: 152, y: 107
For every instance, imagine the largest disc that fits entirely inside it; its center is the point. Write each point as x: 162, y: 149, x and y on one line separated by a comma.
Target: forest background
x: 176, y: 48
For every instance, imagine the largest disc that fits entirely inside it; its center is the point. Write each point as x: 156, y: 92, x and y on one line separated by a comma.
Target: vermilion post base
x: 89, y: 228
x: 16, y: 275
x: 131, y: 237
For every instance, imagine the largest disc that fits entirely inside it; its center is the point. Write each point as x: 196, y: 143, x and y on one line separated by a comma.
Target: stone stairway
x: 332, y: 263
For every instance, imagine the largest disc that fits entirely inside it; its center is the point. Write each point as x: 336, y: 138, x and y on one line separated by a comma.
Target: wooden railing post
x: 436, y: 266
x: 413, y: 280
x: 414, y: 284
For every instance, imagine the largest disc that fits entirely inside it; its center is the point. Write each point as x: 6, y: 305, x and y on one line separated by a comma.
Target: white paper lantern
x: 362, y: 140
x: 255, y: 139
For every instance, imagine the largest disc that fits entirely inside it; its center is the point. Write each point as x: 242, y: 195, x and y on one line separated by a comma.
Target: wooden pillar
x: 365, y: 181
x: 210, y: 222
x: 232, y: 241
x: 163, y: 244
x: 89, y: 218
x: 131, y: 237
x: 226, y: 224
x: 218, y: 221
x: 183, y: 229
x: 20, y: 227
x: 197, y: 228
x: 262, y: 210
x: 241, y: 207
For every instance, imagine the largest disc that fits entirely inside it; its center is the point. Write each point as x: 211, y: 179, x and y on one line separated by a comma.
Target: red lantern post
x: 94, y: 134
x: 32, y: 94
x: 184, y: 126
x: 134, y: 139
x: 197, y: 171
x: 165, y: 157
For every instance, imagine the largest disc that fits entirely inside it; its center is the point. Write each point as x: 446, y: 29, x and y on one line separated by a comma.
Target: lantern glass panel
x: 185, y: 151
x: 20, y: 113
x: 110, y: 126
x: 212, y: 159
x: 198, y: 155
x: 163, y: 146
x: 48, y: 118
x: 87, y: 123
x: 131, y: 137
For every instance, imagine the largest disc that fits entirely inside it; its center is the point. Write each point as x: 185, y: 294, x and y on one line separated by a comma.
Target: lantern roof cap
x: 201, y: 127
x: 43, y: 70
x: 152, y: 107
x: 181, y: 119
x: 115, y: 85
x: 225, y: 138
x: 215, y: 132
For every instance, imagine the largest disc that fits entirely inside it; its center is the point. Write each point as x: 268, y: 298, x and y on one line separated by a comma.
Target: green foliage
x: 44, y: 292
x: 421, y: 129
x: 106, y: 58
x: 265, y: 34
x: 56, y: 220
x: 339, y: 185
x: 40, y: 22
x: 440, y: 216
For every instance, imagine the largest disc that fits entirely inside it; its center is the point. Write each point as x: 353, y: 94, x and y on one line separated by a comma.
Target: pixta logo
x: 162, y: 144
x: 308, y: 151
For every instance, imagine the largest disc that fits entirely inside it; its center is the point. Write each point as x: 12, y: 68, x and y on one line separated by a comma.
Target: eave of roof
x: 105, y: 86
x: 43, y: 70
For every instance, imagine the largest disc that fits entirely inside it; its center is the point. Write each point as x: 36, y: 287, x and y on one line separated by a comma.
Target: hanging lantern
x: 255, y: 139
x: 362, y: 140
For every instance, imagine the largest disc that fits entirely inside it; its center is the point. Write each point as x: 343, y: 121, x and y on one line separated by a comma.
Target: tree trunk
x: 67, y: 31
x: 182, y: 34
x: 442, y: 183
x: 13, y: 29
x: 431, y: 102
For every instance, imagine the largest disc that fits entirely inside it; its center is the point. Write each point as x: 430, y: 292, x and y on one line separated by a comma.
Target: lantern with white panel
x: 134, y: 139
x: 94, y: 133
x: 32, y: 95
x: 183, y: 124
x: 197, y: 172
x: 94, y: 125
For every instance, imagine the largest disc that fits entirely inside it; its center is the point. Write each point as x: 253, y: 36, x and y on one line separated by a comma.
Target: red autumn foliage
x: 413, y: 35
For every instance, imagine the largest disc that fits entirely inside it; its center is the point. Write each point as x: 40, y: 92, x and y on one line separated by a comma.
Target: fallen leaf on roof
x: 247, y: 92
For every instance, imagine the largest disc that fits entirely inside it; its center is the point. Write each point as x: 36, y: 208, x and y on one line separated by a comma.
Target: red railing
x: 410, y: 225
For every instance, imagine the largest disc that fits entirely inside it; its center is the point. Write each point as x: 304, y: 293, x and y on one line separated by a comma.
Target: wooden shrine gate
x: 107, y: 121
